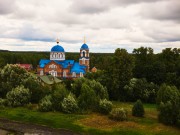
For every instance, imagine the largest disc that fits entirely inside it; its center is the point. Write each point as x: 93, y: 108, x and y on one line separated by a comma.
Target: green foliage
x: 2, y: 102
x: 88, y: 93
x: 141, y: 89
x: 69, y: 104
x: 59, y: 92
x: 105, y: 106
x: 169, y: 100
x: 166, y: 114
x: 87, y: 99
x: 19, y: 96
x: 45, y: 104
x: 100, y: 91
x: 11, y: 77
x: 36, y: 88
x: 119, y: 114
x: 122, y: 67
x: 168, y: 93
x: 76, y: 88
x: 138, y: 109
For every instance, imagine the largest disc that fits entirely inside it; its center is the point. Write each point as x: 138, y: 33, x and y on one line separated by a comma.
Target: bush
x: 166, y: 114
x: 69, y: 104
x: 87, y: 99
x: 168, y: 99
x: 2, y: 102
x: 45, y: 104
x: 138, y: 109
x: 119, y: 114
x: 105, y: 106
x: 141, y: 89
x: 168, y: 93
x: 11, y: 77
x: 59, y: 93
x: 18, y: 96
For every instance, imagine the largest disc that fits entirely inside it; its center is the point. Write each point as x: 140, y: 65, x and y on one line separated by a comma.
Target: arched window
x: 83, y: 61
x: 83, y: 54
x: 64, y: 73
x: 73, y: 74
x: 81, y: 74
x: 41, y: 72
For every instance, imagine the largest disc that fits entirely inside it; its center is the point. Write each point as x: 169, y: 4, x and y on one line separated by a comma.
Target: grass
x: 94, y: 123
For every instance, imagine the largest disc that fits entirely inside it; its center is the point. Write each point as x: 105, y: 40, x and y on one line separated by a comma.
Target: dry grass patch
x: 103, y: 122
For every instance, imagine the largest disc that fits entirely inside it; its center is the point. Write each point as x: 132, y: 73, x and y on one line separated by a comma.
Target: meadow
x: 94, y: 123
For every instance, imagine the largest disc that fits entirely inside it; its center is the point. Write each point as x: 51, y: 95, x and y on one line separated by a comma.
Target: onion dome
x: 84, y: 46
x: 57, y: 48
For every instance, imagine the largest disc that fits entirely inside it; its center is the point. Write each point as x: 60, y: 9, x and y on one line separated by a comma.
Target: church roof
x: 57, y: 48
x: 78, y: 68
x: 85, y: 46
x: 75, y: 66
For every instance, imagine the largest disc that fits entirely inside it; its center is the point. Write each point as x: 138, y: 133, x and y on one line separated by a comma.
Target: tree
x: 168, y: 100
x: 45, y: 104
x: 11, y: 77
x: 144, y: 59
x: 138, y: 109
x: 69, y: 104
x: 19, y: 96
x: 141, y: 89
x: 59, y: 92
x: 87, y: 99
x: 122, y: 67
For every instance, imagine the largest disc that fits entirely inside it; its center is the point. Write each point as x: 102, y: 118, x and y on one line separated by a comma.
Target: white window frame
x: 74, y: 74
x: 41, y: 72
x: 64, y: 74
x: 81, y: 74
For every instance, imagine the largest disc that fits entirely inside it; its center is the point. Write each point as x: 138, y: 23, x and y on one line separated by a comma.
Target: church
x: 58, y: 66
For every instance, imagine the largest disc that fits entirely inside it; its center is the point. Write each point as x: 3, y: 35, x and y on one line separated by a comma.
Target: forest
x: 140, y: 76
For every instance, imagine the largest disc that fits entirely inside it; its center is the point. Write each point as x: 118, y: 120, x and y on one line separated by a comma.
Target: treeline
x: 129, y: 77
x: 158, y: 68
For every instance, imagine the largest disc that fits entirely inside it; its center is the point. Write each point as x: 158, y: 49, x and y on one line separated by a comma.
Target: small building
x: 49, y: 79
x: 28, y: 67
x: 58, y: 66
x: 94, y: 69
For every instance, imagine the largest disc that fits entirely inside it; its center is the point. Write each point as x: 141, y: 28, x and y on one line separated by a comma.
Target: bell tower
x: 84, y: 55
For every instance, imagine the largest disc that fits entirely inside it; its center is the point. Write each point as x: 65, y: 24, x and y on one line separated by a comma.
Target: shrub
x: 87, y: 99
x: 141, y: 89
x: 168, y: 99
x: 18, y: 96
x: 119, y: 114
x: 166, y: 114
x: 59, y: 93
x: 45, y: 104
x: 2, y: 102
x: 101, y: 92
x: 138, y: 109
x: 105, y: 106
x: 69, y: 104
x: 168, y: 93
x: 11, y: 77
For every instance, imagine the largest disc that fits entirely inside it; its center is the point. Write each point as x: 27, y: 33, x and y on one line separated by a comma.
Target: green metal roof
x: 49, y: 79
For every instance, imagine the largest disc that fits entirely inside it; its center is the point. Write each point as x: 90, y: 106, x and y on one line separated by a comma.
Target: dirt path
x: 31, y: 129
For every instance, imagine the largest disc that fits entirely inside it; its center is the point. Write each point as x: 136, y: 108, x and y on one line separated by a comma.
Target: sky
x: 34, y: 25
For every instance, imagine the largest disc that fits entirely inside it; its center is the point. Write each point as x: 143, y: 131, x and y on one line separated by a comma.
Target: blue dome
x: 57, y: 48
x: 84, y: 46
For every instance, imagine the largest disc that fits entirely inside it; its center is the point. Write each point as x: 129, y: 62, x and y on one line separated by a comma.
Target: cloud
x: 167, y: 10
x: 7, y: 6
x: 88, y: 7
x: 29, y: 33
x: 99, y: 6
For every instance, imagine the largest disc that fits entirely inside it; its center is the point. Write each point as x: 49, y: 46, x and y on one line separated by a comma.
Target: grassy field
x: 95, y: 123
